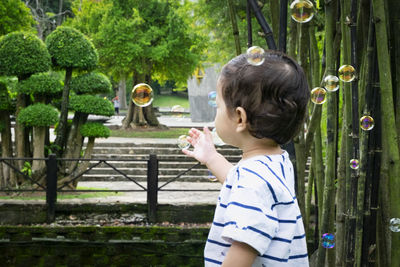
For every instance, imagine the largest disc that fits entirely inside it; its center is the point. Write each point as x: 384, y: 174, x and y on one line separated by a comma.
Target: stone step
x: 143, y: 171
x: 143, y: 164
x: 155, y: 150
x: 143, y: 178
x: 173, y: 157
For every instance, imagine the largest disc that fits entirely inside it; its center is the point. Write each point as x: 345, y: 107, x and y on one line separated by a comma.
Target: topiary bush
x: 69, y: 48
x: 91, y: 83
x: 22, y: 54
x: 5, y: 101
x: 95, y: 129
x: 90, y: 104
x: 40, y: 84
x: 38, y: 115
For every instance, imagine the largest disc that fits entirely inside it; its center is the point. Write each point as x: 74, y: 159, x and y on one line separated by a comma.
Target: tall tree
x: 14, y: 16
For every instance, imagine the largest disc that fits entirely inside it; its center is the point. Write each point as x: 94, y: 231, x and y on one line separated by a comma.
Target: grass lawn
x: 66, y: 195
x: 171, y: 133
x: 170, y: 100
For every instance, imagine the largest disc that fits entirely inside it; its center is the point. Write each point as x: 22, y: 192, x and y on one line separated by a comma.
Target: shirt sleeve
x: 248, y: 216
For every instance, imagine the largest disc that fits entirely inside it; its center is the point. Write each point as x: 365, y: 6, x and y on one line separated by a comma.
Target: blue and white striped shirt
x: 257, y: 206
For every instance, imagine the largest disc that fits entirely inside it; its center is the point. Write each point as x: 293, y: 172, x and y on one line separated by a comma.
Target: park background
x: 69, y: 58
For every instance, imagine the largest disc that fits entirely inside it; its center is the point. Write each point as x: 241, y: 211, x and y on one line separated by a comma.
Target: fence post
x: 51, y: 187
x: 152, y: 187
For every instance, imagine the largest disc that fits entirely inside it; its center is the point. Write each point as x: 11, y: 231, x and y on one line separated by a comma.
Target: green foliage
x: 5, y: 101
x: 38, y: 115
x: 14, y: 16
x: 144, y: 37
x: 27, y: 169
x: 2, y: 126
x: 95, y: 129
x: 22, y: 54
x: 69, y: 48
x: 91, y: 83
x: 41, y: 83
x: 90, y: 104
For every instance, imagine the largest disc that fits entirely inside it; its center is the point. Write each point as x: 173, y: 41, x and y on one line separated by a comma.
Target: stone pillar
x: 198, y: 88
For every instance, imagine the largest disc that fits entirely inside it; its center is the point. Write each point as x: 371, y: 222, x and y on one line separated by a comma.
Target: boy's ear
x: 241, y: 119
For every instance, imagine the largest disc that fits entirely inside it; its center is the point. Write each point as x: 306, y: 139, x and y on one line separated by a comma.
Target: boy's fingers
x: 188, y: 153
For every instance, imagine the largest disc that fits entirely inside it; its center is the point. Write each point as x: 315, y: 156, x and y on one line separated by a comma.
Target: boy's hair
x: 274, y: 94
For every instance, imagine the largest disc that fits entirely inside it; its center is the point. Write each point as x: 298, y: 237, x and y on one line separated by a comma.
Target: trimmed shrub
x: 22, y: 54
x: 40, y: 84
x: 95, y: 129
x: 91, y: 83
x: 90, y: 104
x: 5, y: 101
x: 69, y: 48
x: 38, y: 115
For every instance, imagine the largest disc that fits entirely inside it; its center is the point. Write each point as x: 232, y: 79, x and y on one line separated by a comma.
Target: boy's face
x: 224, y: 123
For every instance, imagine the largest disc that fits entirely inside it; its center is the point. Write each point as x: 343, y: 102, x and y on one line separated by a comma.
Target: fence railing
x: 52, y: 188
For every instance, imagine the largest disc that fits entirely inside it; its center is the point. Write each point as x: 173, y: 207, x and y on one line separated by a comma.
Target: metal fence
x: 52, y: 188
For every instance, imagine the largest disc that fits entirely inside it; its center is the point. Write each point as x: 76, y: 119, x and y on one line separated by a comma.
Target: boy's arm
x: 239, y: 255
x: 205, y: 152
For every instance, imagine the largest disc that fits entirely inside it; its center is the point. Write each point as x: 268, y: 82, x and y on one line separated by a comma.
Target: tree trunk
x: 74, y: 142
x: 390, y: 144
x: 6, y: 149
x: 122, y: 94
x: 38, y: 166
x: 274, y: 9
x: 20, y: 136
x: 63, y: 122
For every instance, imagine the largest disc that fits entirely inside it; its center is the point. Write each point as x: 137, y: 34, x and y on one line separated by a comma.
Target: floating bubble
x: 302, y: 11
x: 328, y: 240
x: 255, y: 56
x: 347, y: 73
x: 183, y: 143
x: 212, y: 99
x: 394, y: 225
x: 354, y: 164
x: 331, y: 83
x: 367, y: 123
x: 212, y: 177
x: 216, y: 139
x: 318, y: 95
x: 142, y: 95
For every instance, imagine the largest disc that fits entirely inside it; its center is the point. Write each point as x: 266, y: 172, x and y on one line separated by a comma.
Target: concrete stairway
x: 131, y: 159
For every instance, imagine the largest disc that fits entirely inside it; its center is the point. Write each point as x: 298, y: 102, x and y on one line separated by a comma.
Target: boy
x: 257, y: 221
x: 115, y: 100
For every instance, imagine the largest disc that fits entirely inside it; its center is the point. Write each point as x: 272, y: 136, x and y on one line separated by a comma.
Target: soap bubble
x: 367, y: 123
x: 354, y: 164
x: 394, y: 225
x: 211, y: 177
x: 302, y: 11
x: 331, y: 83
x: 216, y: 139
x: 347, y: 73
x: 318, y: 95
x: 183, y: 143
x: 142, y: 95
x: 212, y: 96
x: 255, y: 56
x: 328, y: 240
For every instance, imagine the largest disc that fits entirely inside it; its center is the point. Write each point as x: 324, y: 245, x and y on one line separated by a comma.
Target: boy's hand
x: 203, y: 145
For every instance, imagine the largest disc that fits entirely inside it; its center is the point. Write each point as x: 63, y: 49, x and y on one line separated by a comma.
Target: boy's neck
x: 257, y: 147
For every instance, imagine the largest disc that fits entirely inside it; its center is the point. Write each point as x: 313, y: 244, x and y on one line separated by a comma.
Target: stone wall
x: 102, y: 246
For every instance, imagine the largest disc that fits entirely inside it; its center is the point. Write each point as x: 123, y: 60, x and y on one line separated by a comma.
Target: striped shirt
x: 257, y: 206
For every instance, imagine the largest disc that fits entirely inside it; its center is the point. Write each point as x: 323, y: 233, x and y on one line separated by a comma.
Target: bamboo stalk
x: 249, y: 27
x: 235, y: 28
x: 390, y: 144
x: 309, y: 196
x: 263, y: 24
x: 283, y: 9
x: 330, y: 173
